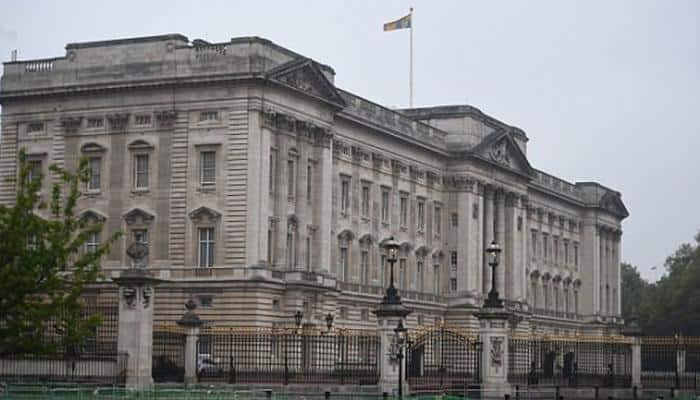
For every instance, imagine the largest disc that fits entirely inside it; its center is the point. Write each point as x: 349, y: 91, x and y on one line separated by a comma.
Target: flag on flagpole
x: 401, y: 23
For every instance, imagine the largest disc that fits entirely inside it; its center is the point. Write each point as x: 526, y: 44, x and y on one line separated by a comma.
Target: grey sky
x: 606, y: 90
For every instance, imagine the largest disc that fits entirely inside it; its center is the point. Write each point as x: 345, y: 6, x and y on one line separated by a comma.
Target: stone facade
x: 261, y: 188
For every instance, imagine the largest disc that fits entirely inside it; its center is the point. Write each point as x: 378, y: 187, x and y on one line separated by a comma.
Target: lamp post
x: 494, y: 252
x: 391, y: 297
x: 400, y: 331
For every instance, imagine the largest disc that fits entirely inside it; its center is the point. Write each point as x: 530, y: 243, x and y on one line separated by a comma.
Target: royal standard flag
x: 401, y: 23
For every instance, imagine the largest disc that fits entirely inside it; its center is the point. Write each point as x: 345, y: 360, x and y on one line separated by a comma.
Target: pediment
x: 137, y: 215
x: 93, y: 215
x: 204, y: 213
x: 500, y: 149
x: 305, y: 75
x: 612, y: 203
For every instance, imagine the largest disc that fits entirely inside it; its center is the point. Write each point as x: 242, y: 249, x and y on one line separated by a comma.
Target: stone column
x: 493, y: 330
x: 135, y: 337
x: 488, y: 236
x: 191, y: 322
x: 501, y: 240
x: 325, y: 198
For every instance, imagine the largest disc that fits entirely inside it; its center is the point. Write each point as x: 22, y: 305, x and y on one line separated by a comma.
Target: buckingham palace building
x: 261, y: 189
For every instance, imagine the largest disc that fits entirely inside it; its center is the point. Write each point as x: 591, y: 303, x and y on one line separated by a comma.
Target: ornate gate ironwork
x: 443, y: 360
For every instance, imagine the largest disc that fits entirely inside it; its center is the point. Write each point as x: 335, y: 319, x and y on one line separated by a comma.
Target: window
x: 576, y: 255
x: 364, y: 315
x: 291, y: 175
x: 436, y: 278
x: 94, y: 171
x: 276, y: 304
x: 308, y: 253
x: 206, y: 247
x: 455, y: 219
x: 402, y: 274
x: 475, y: 211
x: 270, y: 246
x: 364, y: 267
x: 365, y: 200
x: 309, y: 180
x: 144, y: 119
x: 438, y: 220
x: 566, y: 252
x: 453, y: 284
x: 95, y: 122
x: 344, y: 194
x: 207, y: 168
x: 383, y: 270
x: 534, y: 244
x: 141, y: 171
x: 273, y: 172
x: 140, y: 236
x: 35, y: 127
x: 555, y: 244
x: 385, y: 205
x: 343, y: 264
x: 545, y: 247
x: 419, y: 272
x: 453, y: 260
x: 208, y: 116
x: 34, y: 171
x: 205, y: 301
x: 421, y: 216
x: 93, y: 242
x: 403, y: 209
x: 291, y: 245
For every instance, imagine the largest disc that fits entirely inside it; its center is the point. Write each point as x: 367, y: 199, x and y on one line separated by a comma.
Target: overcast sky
x: 606, y: 90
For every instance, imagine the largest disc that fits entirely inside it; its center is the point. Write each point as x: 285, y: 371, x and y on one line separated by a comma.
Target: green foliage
x: 671, y: 305
x: 43, y: 265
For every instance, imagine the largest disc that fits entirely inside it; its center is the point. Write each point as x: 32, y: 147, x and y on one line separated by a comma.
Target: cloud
x: 8, y: 36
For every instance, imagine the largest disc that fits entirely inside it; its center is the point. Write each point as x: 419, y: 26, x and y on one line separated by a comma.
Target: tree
x: 633, y: 288
x: 44, y: 266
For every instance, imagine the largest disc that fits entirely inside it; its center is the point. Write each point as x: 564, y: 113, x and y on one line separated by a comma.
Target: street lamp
x: 493, y: 252
x: 400, y: 332
x: 391, y: 297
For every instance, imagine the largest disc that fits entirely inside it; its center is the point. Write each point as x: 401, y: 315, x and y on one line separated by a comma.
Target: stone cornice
x: 289, y: 124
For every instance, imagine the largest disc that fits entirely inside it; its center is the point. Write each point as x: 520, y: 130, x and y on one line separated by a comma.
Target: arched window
x: 292, y: 231
x: 344, y: 241
x: 365, y: 260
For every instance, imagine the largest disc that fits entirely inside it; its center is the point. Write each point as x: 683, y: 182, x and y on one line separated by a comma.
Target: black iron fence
x: 94, y: 360
x: 168, y: 354
x: 443, y: 360
x: 604, y: 361
x: 671, y: 362
x: 288, y: 356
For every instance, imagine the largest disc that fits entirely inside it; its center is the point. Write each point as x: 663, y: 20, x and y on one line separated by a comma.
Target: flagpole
x: 410, y: 78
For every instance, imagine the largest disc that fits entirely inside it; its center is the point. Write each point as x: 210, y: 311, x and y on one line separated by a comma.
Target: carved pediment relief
x: 501, y: 149
x: 305, y: 75
x: 138, y: 216
x: 612, y: 203
x: 204, y: 214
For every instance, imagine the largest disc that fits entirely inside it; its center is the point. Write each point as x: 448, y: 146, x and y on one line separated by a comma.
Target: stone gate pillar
x: 632, y: 331
x: 191, y: 322
x: 135, y: 337
x: 493, y: 330
x: 388, y: 318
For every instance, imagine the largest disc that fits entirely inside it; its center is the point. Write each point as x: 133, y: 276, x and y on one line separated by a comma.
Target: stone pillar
x: 501, y: 240
x: 488, y: 236
x: 325, y: 198
x: 135, y: 337
x: 493, y: 330
x: 191, y: 322
x: 389, y: 313
x: 632, y: 331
